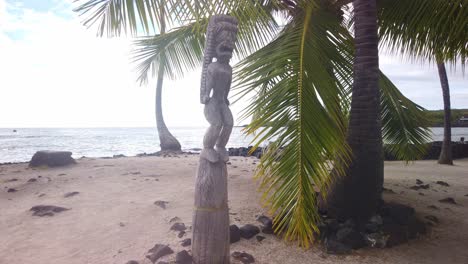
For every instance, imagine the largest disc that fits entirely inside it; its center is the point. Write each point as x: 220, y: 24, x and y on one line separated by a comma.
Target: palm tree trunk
x: 358, y: 193
x: 167, y: 141
x: 446, y: 151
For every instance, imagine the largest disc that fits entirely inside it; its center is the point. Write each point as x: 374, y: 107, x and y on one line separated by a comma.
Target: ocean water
x: 104, y: 142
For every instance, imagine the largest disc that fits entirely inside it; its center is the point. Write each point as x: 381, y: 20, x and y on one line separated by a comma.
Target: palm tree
x: 446, y: 150
x: 357, y: 195
x: 300, y: 74
x: 418, y: 39
x: 167, y: 141
x: 156, y: 11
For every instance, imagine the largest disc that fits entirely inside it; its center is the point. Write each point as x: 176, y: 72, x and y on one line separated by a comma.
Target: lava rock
x: 443, y: 183
x: 183, y: 257
x: 399, y: 212
x: 11, y: 190
x: 248, y: 231
x: 432, y: 218
x: 186, y: 242
x: 448, y: 200
x: 376, y: 240
x: 47, y: 210
x: 51, y: 158
x: 158, y: 251
x: 132, y: 262
x: 260, y: 238
x: 181, y: 234
x: 32, y: 180
x: 335, y: 247
x: 350, y: 237
x: 265, y: 220
x: 416, y: 227
x: 419, y: 182
x: 243, y: 257
x: 161, y: 204
x: 396, y: 234
x: 267, y: 227
x: 234, y: 233
x: 70, y: 194
x: 418, y: 187
x: 178, y: 227
x: 332, y: 224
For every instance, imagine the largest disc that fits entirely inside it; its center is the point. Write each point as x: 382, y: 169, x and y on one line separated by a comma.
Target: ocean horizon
x: 19, y: 146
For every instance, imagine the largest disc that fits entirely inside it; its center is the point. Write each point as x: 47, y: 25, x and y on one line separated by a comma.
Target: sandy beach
x: 113, y: 218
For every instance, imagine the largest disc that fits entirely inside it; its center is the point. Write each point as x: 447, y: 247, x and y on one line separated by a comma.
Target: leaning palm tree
x: 299, y: 76
x: 159, y: 66
x: 166, y: 140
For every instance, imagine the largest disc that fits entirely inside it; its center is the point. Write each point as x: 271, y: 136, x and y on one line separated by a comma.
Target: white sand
x: 113, y: 218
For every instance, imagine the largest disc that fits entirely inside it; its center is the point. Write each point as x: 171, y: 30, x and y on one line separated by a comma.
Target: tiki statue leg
x: 213, y: 115
x: 223, y: 138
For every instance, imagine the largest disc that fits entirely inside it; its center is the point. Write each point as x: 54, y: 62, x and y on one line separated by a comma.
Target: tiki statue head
x: 220, y: 40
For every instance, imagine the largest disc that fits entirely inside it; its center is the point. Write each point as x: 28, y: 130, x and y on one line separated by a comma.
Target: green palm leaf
x: 183, y: 46
x: 423, y: 29
x: 298, y: 103
x: 404, y: 124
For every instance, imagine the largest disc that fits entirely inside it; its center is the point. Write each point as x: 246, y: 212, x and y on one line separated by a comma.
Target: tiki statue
x: 215, y: 85
x: 210, y: 224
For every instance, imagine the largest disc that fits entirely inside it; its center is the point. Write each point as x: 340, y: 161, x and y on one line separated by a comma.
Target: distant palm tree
x: 300, y: 74
x: 446, y: 150
x: 166, y: 140
x: 433, y: 33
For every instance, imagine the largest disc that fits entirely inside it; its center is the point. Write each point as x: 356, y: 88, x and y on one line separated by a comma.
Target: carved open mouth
x: 226, y: 49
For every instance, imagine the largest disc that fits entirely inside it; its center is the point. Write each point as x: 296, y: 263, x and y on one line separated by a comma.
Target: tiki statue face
x: 224, y: 46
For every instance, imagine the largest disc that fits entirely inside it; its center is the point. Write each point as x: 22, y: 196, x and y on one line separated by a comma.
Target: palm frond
x: 425, y: 30
x: 183, y: 46
x: 297, y: 104
x: 404, y: 124
x: 182, y: 49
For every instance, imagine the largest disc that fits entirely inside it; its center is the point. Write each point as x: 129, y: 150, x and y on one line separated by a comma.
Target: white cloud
x: 55, y: 72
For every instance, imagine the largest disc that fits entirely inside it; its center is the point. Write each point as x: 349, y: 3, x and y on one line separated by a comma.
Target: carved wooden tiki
x: 210, y: 243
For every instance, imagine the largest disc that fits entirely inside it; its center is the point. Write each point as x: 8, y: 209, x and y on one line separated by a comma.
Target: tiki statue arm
x: 205, y: 91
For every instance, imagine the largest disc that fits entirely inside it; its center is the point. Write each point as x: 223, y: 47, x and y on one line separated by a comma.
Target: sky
x: 54, y: 72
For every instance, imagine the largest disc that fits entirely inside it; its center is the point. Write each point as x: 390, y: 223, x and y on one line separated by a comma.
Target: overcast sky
x: 56, y: 73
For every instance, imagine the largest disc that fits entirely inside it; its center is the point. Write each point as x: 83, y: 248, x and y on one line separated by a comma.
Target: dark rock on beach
x: 419, y: 182
x: 183, y: 257
x: 178, y: 227
x: 161, y: 204
x: 350, y: 237
x: 243, y: 257
x: 158, y: 251
x: 234, y: 234
x: 443, y: 183
x: 248, y: 231
x: 70, y: 194
x: 267, y: 224
x: 448, y: 200
x: 418, y: 187
x: 132, y: 262
x: 51, y: 158
x: 432, y: 218
x: 260, y: 238
x: 47, y: 210
x: 335, y: 247
x: 11, y: 190
x: 186, y: 242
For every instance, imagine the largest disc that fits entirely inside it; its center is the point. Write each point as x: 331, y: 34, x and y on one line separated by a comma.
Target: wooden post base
x: 210, y: 241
